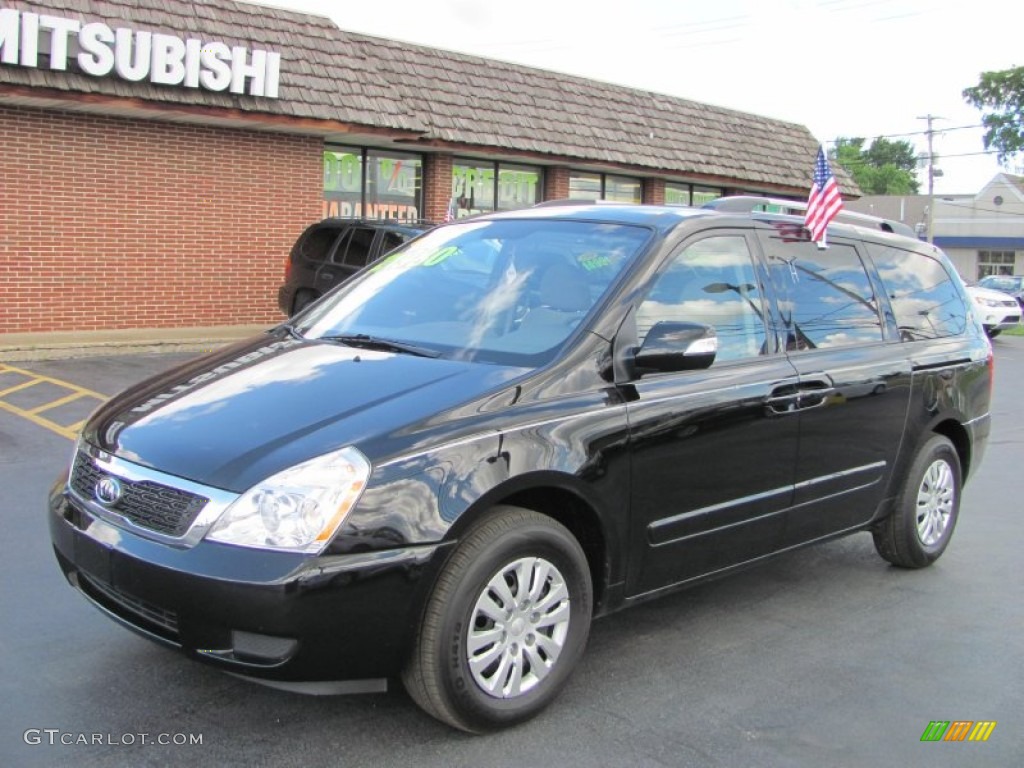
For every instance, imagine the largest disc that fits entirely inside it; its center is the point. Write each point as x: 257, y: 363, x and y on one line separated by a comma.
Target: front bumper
x: 999, y: 318
x: 282, y: 617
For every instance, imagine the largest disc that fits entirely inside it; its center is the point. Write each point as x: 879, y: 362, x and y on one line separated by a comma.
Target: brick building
x: 160, y: 156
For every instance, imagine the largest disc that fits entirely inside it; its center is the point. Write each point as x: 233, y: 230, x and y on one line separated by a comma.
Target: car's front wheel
x: 506, y: 623
x: 921, y: 524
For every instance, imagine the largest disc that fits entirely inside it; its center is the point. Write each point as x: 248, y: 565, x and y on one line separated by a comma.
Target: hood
x: 977, y: 292
x: 231, y: 419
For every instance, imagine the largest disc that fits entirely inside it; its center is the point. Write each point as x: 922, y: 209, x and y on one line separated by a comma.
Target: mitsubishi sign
x: 40, y: 40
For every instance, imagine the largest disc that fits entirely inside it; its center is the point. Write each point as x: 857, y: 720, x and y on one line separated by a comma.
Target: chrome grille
x: 150, y: 505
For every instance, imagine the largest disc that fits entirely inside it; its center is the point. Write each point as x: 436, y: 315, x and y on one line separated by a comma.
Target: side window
x: 711, y: 281
x: 924, y: 298
x: 355, y: 251
x: 825, y: 294
x: 318, y: 244
x: 390, y: 241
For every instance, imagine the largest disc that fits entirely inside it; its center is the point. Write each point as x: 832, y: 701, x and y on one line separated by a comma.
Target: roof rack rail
x: 574, y: 201
x: 747, y: 204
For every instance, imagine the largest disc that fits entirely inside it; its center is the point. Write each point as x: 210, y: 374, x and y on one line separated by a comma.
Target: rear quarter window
x: 925, y: 298
x: 317, y: 243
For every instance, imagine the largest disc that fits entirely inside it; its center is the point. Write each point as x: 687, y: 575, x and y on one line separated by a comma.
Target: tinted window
x: 391, y: 240
x: 712, y: 282
x: 316, y: 245
x: 356, y: 250
x: 924, y: 298
x: 825, y: 295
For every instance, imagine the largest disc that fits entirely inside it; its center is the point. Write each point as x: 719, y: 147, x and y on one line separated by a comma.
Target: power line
x: 915, y: 133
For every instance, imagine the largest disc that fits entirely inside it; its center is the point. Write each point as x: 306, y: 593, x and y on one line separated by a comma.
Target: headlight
x: 300, y: 508
x: 988, y: 302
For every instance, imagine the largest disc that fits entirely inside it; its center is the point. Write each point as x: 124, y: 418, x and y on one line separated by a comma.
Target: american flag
x: 824, y: 201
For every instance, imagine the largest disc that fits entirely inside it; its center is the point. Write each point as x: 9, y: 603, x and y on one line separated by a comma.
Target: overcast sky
x: 840, y: 67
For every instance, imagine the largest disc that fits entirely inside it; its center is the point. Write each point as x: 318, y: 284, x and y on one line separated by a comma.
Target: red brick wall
x: 122, y: 223
x: 654, y: 191
x: 437, y: 186
x: 556, y: 183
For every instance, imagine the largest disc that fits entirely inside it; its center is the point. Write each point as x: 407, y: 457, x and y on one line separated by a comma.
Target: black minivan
x: 445, y: 470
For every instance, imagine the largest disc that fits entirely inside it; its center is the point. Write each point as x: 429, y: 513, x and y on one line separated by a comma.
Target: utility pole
x: 931, y: 175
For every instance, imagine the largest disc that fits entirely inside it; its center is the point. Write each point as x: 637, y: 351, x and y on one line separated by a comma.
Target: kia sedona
x: 440, y: 473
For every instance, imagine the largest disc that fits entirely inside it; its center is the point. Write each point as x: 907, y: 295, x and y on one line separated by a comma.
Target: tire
x: 992, y: 332
x: 302, y: 300
x: 525, y: 657
x: 924, y: 515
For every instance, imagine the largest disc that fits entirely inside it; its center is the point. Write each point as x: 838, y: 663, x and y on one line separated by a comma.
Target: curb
x: 22, y: 347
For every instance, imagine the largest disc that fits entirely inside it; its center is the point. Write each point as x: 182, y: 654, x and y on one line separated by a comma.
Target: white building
x: 983, y: 234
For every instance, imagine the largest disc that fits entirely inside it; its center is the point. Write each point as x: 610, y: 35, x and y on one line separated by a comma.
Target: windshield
x: 503, y: 291
x: 1001, y: 283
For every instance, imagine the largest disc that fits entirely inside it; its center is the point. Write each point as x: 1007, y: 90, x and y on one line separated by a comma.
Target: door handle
x: 814, y: 391
x: 783, y: 399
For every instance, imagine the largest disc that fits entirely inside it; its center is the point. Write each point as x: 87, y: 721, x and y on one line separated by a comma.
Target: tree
x: 1000, y: 97
x: 884, y: 168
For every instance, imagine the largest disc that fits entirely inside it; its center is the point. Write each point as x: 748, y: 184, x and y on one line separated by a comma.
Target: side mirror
x: 671, y: 346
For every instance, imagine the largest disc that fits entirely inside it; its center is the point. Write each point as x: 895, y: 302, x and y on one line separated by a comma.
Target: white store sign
x: 136, y: 55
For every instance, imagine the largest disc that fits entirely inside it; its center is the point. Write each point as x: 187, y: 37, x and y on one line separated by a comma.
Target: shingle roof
x: 319, y: 78
x: 441, y: 96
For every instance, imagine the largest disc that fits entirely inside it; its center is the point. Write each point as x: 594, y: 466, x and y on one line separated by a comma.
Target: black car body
x: 528, y: 420
x: 331, y: 251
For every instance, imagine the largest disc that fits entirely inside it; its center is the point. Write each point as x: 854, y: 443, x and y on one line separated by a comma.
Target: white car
x: 996, y: 310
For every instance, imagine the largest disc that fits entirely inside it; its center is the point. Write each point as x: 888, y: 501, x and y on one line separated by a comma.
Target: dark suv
x: 333, y: 250
x: 444, y: 470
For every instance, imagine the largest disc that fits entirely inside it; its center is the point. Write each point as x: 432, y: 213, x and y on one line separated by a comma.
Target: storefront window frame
x: 602, y: 179
x: 496, y: 167
x: 365, y: 155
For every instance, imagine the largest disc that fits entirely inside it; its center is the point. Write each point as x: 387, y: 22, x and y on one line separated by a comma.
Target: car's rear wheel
x: 506, y: 623
x: 302, y: 300
x: 921, y: 524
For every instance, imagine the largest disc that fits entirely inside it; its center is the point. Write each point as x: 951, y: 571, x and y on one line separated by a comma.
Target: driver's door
x: 713, y: 451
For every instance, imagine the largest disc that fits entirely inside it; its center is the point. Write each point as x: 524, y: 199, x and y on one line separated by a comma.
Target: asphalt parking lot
x: 823, y: 657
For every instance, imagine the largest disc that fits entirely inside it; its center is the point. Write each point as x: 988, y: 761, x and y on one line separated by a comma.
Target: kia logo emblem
x: 107, y: 491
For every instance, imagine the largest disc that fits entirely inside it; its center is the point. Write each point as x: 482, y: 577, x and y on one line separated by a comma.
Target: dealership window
x: 481, y: 187
x: 996, y: 263
x: 372, y: 184
x: 703, y: 195
x: 584, y: 186
x: 604, y: 186
x: 677, y: 194
x: 690, y: 194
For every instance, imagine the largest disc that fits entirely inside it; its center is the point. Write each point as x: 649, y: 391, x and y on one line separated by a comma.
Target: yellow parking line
x: 45, y: 423
x: 33, y: 414
x: 18, y: 387
x: 62, y: 401
x: 58, y: 382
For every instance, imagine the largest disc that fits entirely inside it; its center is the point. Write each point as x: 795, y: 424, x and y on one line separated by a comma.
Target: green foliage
x: 1000, y: 97
x: 885, y: 168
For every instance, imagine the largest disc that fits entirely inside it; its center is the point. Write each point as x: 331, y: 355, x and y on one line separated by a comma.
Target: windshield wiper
x: 365, y: 341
